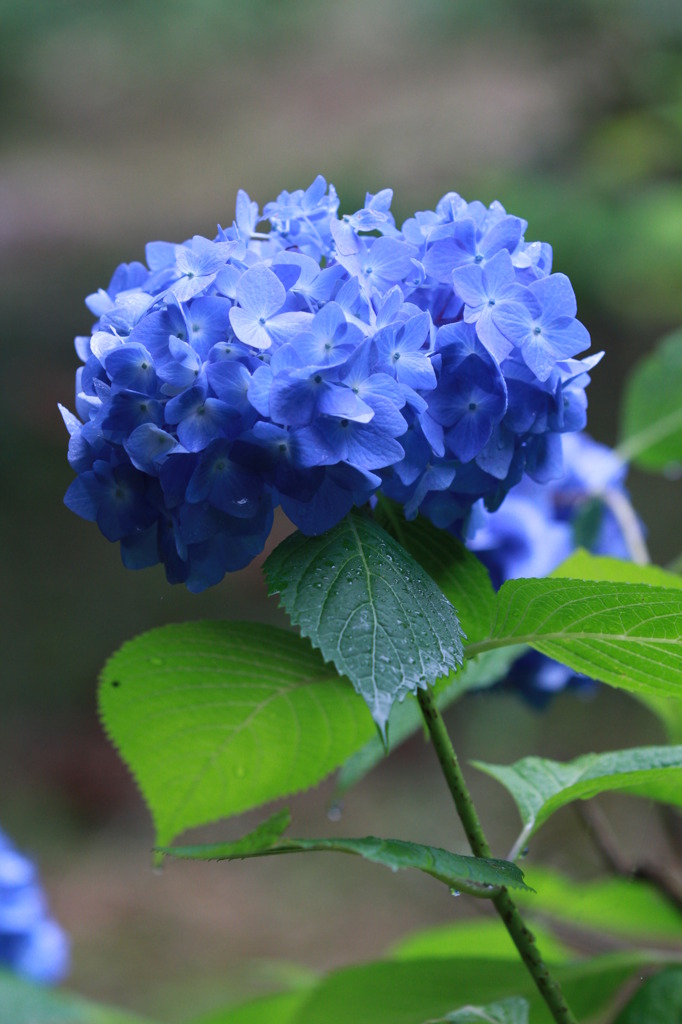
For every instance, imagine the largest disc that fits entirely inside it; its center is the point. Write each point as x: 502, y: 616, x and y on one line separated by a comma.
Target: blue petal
x: 260, y: 293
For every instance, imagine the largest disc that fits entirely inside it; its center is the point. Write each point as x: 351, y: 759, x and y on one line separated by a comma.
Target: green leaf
x: 406, y: 718
x: 509, y: 1011
x: 458, y: 572
x: 215, y: 718
x: 658, y: 1001
x: 477, y: 937
x: 279, y: 1009
x: 395, y: 992
x: 540, y: 786
x: 476, y: 876
x: 625, y: 634
x: 652, y: 409
x: 668, y: 710
x: 581, y: 565
x: 24, y: 1003
x: 370, y: 608
x: 626, y: 908
x: 402, y: 992
x: 254, y: 844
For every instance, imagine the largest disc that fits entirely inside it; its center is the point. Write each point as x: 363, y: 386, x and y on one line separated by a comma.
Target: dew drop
x: 455, y: 892
x: 157, y: 662
x: 335, y: 811
x: 240, y: 771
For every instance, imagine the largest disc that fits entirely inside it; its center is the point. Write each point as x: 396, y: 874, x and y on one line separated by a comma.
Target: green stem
x: 523, y: 938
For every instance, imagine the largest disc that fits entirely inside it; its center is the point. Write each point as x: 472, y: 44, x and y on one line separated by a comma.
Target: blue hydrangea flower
x: 31, y: 943
x: 308, y: 361
x: 539, y: 525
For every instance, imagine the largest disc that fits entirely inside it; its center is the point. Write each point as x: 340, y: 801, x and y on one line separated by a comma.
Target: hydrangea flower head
x: 306, y: 360
x: 31, y: 943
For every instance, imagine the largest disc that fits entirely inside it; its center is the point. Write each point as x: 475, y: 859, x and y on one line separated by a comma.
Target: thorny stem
x: 523, y: 938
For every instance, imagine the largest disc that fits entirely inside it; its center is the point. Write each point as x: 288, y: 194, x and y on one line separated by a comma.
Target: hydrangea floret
x: 310, y: 361
x: 575, y: 510
x: 32, y: 944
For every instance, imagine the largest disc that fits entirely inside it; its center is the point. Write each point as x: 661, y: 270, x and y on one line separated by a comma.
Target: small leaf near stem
x: 521, y: 935
x: 482, y: 878
x: 540, y: 786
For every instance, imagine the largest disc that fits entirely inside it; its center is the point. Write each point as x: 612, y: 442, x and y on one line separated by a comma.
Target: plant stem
x: 523, y: 938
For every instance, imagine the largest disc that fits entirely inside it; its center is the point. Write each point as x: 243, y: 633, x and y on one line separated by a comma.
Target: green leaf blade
x: 254, y: 844
x: 370, y: 608
x: 216, y: 718
x: 540, y: 786
x: 402, y: 992
x: 627, y: 635
x: 582, y: 565
x: 458, y: 572
x: 278, y: 1009
x: 652, y: 429
x: 477, y: 937
x: 477, y: 876
x: 624, y: 908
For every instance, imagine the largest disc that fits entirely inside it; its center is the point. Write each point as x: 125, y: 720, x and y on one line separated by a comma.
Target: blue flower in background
x: 31, y: 943
x: 539, y: 525
x: 309, y: 361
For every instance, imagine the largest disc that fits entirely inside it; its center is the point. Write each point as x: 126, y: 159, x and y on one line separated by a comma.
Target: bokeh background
x: 139, y: 119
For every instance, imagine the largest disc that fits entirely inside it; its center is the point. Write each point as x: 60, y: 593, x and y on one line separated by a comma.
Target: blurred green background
x: 139, y: 119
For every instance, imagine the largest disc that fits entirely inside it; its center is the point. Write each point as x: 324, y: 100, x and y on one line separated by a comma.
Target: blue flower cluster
x: 31, y: 943
x: 539, y: 526
x: 306, y: 360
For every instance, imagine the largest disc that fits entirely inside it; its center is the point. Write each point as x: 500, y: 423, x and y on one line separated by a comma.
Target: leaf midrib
x: 493, y: 643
